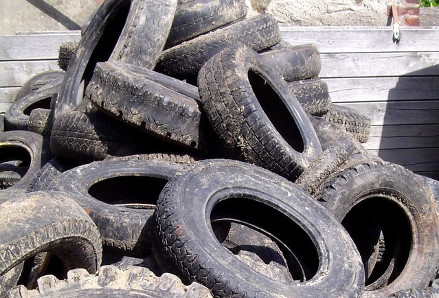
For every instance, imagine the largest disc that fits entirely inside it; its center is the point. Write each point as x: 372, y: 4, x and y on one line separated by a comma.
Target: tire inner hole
x: 14, y: 164
x: 40, y: 104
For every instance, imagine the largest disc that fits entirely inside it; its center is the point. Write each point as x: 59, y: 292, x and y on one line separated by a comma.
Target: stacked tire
x: 186, y: 150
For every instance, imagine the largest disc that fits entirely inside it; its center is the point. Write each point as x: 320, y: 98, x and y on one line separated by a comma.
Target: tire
x: 350, y: 120
x: 218, y: 190
x: 186, y: 59
x: 182, y: 159
x: 38, y: 81
x: 117, y: 32
x: 65, y: 53
x: 112, y: 282
x: 95, y: 136
x: 313, y: 95
x: 40, y: 121
x: 417, y: 293
x: 201, y: 16
x: 294, y: 63
x: 276, y: 134
x: 103, y: 190
x: 127, y: 95
x: 372, y: 191
x: 17, y: 116
x: 60, y: 228
x: 29, y: 148
x: 11, y: 172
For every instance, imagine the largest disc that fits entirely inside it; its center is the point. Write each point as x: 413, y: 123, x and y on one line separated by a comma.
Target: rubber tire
x: 17, y: 116
x: 186, y: 59
x: 122, y: 229
x: 313, y: 95
x: 417, y: 293
x: 186, y: 242
x: 95, y: 136
x: 378, y: 182
x: 40, y: 122
x: 27, y: 146
x: 110, y: 281
x: 350, y: 120
x: 38, y: 81
x: 66, y: 51
x: 126, y: 94
x: 276, y: 135
x: 294, y: 63
x: 201, y: 16
x: 132, y: 31
x: 61, y: 227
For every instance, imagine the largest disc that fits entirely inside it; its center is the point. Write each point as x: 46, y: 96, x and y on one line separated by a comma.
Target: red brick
x: 413, y: 11
x: 411, y: 1
x: 411, y: 21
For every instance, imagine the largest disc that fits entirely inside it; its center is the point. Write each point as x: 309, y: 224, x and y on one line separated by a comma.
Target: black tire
x: 95, y: 136
x: 294, y: 63
x: 313, y: 95
x: 112, y: 282
x: 11, y: 172
x: 17, y: 116
x: 350, y: 120
x: 364, y: 195
x: 186, y: 59
x: 126, y: 94
x: 60, y: 228
x: 254, y: 113
x: 38, y: 81
x: 65, y: 53
x: 29, y: 148
x: 218, y: 190
x: 417, y: 293
x: 120, y: 197
x: 40, y: 121
x: 201, y: 16
x: 132, y: 31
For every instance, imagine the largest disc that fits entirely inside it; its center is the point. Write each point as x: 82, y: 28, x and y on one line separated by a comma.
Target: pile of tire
x: 187, y: 151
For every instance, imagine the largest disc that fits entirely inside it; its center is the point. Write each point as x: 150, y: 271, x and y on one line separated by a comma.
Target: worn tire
x: 375, y: 190
x: 66, y: 51
x: 47, y: 222
x: 112, y: 282
x: 350, y: 120
x: 417, y: 293
x: 201, y: 16
x: 186, y: 59
x: 132, y: 31
x: 313, y: 95
x: 218, y: 190
x: 17, y: 116
x: 29, y: 148
x: 125, y: 93
x: 103, y: 190
x: 294, y: 63
x: 40, y: 121
x: 38, y: 81
x: 254, y: 113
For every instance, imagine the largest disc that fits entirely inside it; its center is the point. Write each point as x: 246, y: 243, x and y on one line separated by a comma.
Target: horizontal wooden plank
x: 15, y: 73
x: 34, y: 46
x: 380, y: 64
x: 8, y: 94
x: 383, y: 88
x: 362, y: 39
x: 429, y: 16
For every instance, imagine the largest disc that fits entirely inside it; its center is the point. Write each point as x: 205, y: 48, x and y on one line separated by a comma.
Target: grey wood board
x: 8, y: 94
x: 34, y: 46
x: 379, y: 64
x: 342, y: 39
x: 429, y: 16
x: 16, y: 73
x: 383, y: 88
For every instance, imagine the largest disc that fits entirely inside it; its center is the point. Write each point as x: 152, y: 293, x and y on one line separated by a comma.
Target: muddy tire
x: 65, y: 53
x: 40, y: 122
x: 217, y: 190
x: 350, y: 120
x: 120, y: 197
x: 200, y: 16
x: 38, y: 81
x: 112, y: 282
x: 125, y: 93
x: 61, y: 229
x: 362, y: 196
x: 313, y: 95
x: 132, y: 31
x: 31, y: 149
x: 254, y: 113
x: 294, y: 63
x: 186, y: 59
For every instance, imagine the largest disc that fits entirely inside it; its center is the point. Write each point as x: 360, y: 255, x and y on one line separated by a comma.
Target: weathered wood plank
x: 34, y: 46
x: 362, y: 39
x: 383, y: 88
x: 15, y: 73
x: 429, y: 16
x: 8, y: 94
x: 380, y: 64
